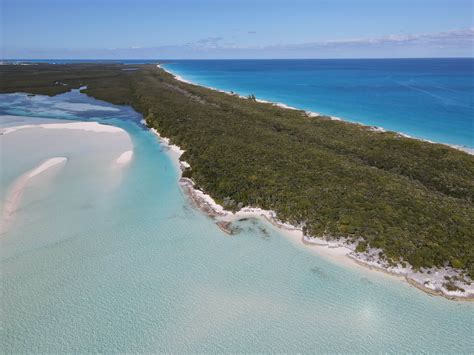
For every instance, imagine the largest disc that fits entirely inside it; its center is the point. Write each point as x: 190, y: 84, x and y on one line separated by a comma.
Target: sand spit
x: 107, y: 133
x: 16, y: 190
x: 84, y: 126
x: 124, y: 158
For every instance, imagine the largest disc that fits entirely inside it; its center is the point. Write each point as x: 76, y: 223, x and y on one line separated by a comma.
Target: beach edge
x: 370, y: 261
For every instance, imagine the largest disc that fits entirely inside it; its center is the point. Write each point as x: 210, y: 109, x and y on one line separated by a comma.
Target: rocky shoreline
x: 446, y: 282
x: 434, y: 281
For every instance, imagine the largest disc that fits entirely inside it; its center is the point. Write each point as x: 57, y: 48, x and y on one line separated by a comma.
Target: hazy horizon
x: 237, y: 29
x: 216, y: 59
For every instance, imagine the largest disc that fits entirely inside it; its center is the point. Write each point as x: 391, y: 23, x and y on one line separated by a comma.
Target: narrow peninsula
x: 401, y: 204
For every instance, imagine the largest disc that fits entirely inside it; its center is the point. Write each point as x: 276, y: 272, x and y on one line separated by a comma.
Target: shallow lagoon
x: 91, y: 265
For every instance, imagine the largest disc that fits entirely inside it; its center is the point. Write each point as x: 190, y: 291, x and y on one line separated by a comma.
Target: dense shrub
x: 412, y: 199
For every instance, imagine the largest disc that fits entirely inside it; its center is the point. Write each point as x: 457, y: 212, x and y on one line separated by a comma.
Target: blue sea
x: 431, y: 99
x: 101, y: 258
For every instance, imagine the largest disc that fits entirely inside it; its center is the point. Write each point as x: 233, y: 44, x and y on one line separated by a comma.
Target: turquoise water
x: 134, y: 267
x: 426, y: 98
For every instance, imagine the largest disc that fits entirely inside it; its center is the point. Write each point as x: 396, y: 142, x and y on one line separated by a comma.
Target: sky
x: 205, y: 29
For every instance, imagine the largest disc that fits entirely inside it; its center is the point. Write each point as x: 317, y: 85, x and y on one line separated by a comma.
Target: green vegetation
x: 410, y: 198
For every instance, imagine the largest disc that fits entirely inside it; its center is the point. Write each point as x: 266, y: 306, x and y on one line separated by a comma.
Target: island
x: 402, y: 204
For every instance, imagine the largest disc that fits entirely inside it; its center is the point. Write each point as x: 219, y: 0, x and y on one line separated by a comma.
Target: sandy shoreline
x: 431, y: 281
x: 467, y: 150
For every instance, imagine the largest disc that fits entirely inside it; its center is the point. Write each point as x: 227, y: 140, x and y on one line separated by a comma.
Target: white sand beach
x: 312, y: 114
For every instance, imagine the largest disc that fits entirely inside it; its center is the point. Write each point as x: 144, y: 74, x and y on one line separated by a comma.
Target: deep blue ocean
x: 431, y: 99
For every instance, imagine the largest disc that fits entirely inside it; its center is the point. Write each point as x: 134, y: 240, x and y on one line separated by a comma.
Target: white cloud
x: 454, y: 43
x: 206, y: 43
x: 459, y: 36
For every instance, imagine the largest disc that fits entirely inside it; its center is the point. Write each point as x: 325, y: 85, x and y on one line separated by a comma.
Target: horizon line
x: 168, y: 59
